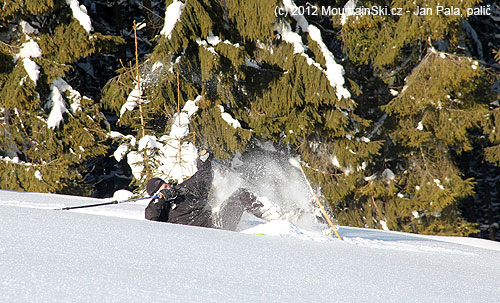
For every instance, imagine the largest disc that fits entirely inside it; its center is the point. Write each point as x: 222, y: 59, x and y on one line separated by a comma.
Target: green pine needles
x: 382, y: 109
x: 48, y: 128
x: 439, y: 103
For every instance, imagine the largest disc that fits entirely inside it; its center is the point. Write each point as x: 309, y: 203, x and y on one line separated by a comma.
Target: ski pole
x: 107, y: 203
x: 218, y: 162
x: 296, y: 163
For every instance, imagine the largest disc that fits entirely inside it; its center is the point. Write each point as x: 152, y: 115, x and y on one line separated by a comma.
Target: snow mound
x: 57, y: 256
x: 402, y: 246
x: 122, y: 195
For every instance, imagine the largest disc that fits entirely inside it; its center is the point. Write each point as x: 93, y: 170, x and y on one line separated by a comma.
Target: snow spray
x: 278, y: 185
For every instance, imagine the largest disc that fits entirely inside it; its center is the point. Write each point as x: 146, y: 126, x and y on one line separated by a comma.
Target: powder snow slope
x: 70, y: 256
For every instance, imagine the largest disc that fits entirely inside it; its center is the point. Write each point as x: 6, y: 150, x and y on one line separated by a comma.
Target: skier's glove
x: 168, y: 194
x: 205, y: 155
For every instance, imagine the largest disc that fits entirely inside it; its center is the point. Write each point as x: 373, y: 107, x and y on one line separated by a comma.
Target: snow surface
x: 111, y: 254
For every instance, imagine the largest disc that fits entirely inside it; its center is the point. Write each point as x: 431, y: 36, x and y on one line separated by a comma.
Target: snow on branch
x: 80, y: 14
x: 57, y: 104
x: 334, y: 71
x: 172, y: 15
x: 205, y: 45
x: 132, y: 100
x: 214, y: 40
x: 174, y: 156
x: 349, y: 10
x: 177, y: 159
x: 27, y: 165
x: 32, y: 69
x: 150, y: 76
x: 58, y: 108
x: 228, y: 118
x: 29, y: 49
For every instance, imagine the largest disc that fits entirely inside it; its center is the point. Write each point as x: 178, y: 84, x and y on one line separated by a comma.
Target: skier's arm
x: 205, y: 176
x: 154, y: 210
x: 199, y: 184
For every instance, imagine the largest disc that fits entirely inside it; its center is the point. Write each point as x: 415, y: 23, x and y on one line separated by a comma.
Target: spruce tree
x: 436, y: 99
x: 258, y: 76
x: 492, y: 152
x: 49, y: 129
x: 481, y: 163
x: 394, y: 117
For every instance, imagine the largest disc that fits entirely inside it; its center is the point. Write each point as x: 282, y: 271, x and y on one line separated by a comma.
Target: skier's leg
x: 249, y: 202
x: 231, y: 210
x: 229, y: 214
x: 261, y: 208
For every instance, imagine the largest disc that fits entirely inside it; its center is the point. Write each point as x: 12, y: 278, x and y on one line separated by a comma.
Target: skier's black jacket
x: 190, y: 205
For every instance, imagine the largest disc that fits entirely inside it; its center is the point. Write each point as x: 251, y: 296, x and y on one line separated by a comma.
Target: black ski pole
x: 106, y: 203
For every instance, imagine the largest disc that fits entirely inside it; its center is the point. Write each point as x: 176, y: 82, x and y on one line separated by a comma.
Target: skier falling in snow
x: 187, y: 202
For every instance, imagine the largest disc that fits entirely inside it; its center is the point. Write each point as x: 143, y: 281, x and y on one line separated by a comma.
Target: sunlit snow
x: 80, y: 14
x: 111, y: 254
x: 172, y: 15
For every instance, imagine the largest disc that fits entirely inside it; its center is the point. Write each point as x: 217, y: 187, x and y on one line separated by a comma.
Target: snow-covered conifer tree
x: 436, y: 100
x: 259, y: 76
x: 48, y: 128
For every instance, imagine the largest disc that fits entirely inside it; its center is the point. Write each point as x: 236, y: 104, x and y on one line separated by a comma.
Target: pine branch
x: 179, y: 113
x: 10, y: 48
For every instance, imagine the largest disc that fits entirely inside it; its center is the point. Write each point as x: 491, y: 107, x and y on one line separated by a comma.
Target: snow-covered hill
x: 111, y: 254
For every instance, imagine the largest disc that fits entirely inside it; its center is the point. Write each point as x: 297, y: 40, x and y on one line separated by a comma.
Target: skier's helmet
x: 153, y: 185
